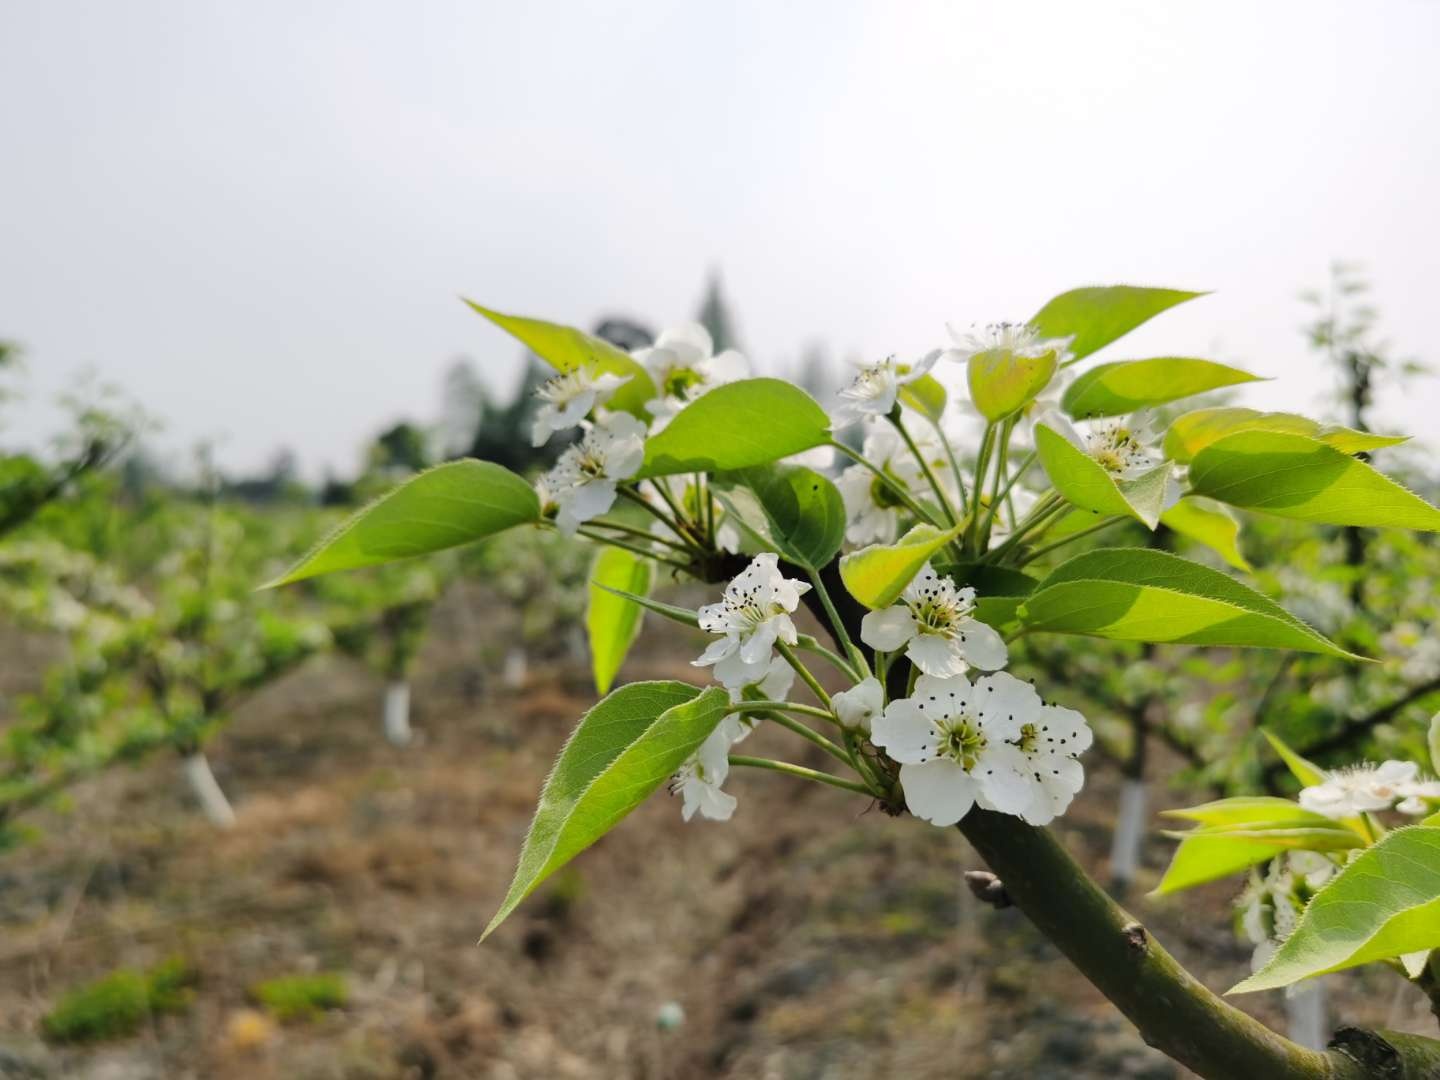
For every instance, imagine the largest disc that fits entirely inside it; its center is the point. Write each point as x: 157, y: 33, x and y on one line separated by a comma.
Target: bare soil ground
x: 808, y: 939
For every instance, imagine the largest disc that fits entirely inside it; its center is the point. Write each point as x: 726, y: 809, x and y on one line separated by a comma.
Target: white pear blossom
x: 936, y: 624
x: 774, y: 685
x: 953, y: 742
x: 1361, y: 789
x: 1017, y: 339
x: 858, y: 706
x: 582, y: 483
x: 569, y: 398
x: 872, y: 509
x: 1051, y: 742
x: 683, y: 366
x: 699, y: 779
x: 1121, y: 445
x: 875, y: 387
x: 1419, y: 651
x: 753, y: 615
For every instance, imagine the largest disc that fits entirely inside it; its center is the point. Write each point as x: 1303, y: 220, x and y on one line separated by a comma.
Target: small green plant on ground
x: 293, y: 998
x: 119, y: 1003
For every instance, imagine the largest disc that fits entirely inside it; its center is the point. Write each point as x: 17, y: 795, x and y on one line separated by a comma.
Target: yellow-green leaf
x: 1296, y: 476
x: 1193, y: 431
x: 1097, y: 315
x: 1207, y: 523
x: 877, y: 575
x: 1307, y: 772
x: 926, y: 396
x: 1127, y: 385
x: 444, y: 507
x: 1003, y: 382
x: 565, y: 349
x: 611, y: 621
x: 735, y: 426
x: 1085, y: 483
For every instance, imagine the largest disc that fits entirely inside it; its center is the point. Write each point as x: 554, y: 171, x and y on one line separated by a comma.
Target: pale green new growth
x: 622, y: 750
x: 1097, y: 315
x: 1126, y: 385
x: 1085, y: 482
x: 612, y: 622
x: 1210, y: 524
x: 877, y: 575
x: 1383, y: 904
x: 451, y: 504
x: 735, y: 426
x: 1137, y: 594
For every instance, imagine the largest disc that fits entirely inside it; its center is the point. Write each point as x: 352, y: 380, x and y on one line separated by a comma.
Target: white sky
x: 256, y: 217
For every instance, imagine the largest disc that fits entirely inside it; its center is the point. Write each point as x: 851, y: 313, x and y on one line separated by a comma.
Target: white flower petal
x: 982, y: 646
x: 939, y: 792
x: 904, y: 732
x: 936, y: 655
x: 858, y: 706
x: 1005, y: 704
x: 887, y: 629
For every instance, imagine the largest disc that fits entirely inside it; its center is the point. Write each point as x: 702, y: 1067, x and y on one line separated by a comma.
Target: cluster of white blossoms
x: 936, y: 626
x: 991, y: 743
x: 683, y: 365
x: 1363, y: 789
x: 872, y: 509
x: 583, y: 482
x: 875, y: 388
x: 1271, y: 904
x: 1121, y: 445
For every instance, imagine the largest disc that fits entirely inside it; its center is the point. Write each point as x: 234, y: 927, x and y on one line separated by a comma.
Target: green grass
x: 293, y: 998
x: 119, y: 1003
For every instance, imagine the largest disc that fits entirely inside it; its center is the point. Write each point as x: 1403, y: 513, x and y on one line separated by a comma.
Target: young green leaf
x: 446, y: 506
x: 1085, y: 483
x: 1383, y: 904
x: 1193, y: 431
x: 623, y: 749
x: 1210, y: 524
x: 611, y: 621
x: 1307, y: 772
x: 1126, y: 385
x: 1003, y: 382
x: 1296, y: 476
x: 735, y: 426
x: 565, y: 349
x: 795, y: 512
x: 669, y: 611
x: 1098, y: 315
x: 1242, y: 832
x: 926, y: 396
x: 877, y: 575
x: 1137, y: 594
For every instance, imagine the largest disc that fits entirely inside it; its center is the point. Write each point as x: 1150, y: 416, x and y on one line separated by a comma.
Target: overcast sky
x: 256, y: 217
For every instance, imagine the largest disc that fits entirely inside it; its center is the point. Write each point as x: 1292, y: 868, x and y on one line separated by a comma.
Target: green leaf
x: 669, y: 611
x: 1435, y: 743
x: 446, y: 506
x: 1296, y: 476
x: 926, y: 396
x: 795, y: 511
x: 1383, y: 904
x: 735, y: 426
x: 1210, y: 524
x: 1307, y: 772
x: 565, y: 349
x: 612, y: 621
x: 999, y: 590
x: 1193, y: 431
x: 1243, y: 832
x: 1137, y: 594
x: 877, y: 575
x: 1096, y: 316
x: 1003, y: 382
x: 1085, y: 483
x: 1127, y: 385
x: 623, y: 749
